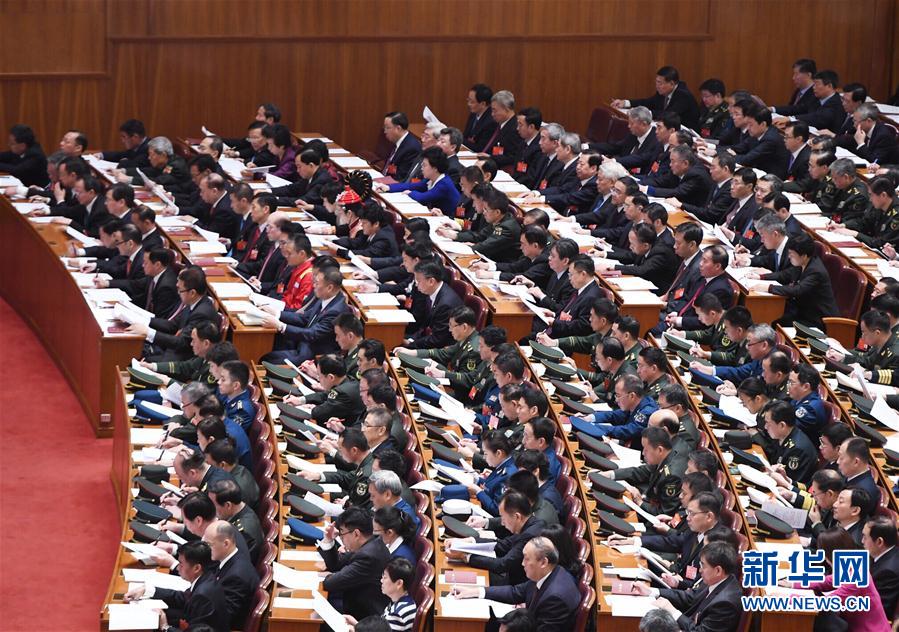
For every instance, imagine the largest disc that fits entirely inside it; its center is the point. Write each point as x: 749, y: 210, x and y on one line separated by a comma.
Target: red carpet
x: 58, y: 525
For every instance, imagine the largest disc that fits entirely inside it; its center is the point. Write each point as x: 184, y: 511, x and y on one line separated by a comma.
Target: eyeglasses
x: 757, y: 342
x: 343, y: 534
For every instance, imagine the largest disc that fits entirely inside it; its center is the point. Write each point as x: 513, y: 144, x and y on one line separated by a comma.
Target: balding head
x: 222, y: 537
x: 665, y: 418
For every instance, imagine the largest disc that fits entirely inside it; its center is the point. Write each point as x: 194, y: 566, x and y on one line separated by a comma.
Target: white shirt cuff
x: 151, y: 335
x: 149, y: 591
x: 326, y: 545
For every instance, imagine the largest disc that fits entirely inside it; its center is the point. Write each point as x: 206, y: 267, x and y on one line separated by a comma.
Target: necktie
x: 693, y: 299
x: 149, y: 305
x: 776, y: 261
x: 797, y: 97
x: 492, y: 139
x: 318, y: 311
x: 180, y: 309
x: 680, y: 272
x: 128, y: 267
x: 268, y: 257
x: 792, y: 159
x: 252, y: 243
x: 389, y: 160
x: 734, y: 209
x: 667, y: 101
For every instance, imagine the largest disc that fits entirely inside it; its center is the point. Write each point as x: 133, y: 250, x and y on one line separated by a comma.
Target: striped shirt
x: 400, y: 614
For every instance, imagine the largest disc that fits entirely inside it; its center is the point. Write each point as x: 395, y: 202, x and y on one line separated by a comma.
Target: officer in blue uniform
x: 629, y: 420
x: 234, y: 379
x: 811, y: 412
x: 488, y: 489
x: 508, y: 368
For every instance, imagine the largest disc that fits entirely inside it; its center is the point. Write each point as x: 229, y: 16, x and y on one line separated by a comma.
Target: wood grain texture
x: 337, y: 66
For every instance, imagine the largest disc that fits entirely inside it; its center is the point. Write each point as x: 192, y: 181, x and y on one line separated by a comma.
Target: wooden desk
x: 38, y: 286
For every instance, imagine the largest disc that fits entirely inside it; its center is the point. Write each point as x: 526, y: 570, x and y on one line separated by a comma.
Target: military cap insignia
x: 793, y: 463
x: 332, y: 394
x: 801, y: 412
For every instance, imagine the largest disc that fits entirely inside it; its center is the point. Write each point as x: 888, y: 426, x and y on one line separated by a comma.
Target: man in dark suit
x: 765, y: 149
x: 874, y: 140
x: 529, y: 121
x: 450, y: 141
x: 773, y: 255
x: 879, y: 538
x: 405, y: 146
x: 217, y: 214
x: 158, y: 291
x: 505, y: 568
x: 308, y: 188
x: 480, y: 125
x: 134, y: 139
x: 806, y: 284
x: 376, y: 239
x: 25, y: 159
x: 306, y: 334
x: 671, y: 95
x: 128, y: 268
x: 573, y: 318
x: 796, y: 135
x: 655, y: 261
x: 826, y: 111
x: 579, y: 196
x: 689, y: 182
x: 235, y: 573
x: 714, y: 603
x: 169, y: 338
x: 203, y: 603
x: 558, y: 288
x: 547, y: 167
x: 505, y: 145
x: 803, y: 96
x: 144, y: 218
x: 354, y: 582
x: 433, y: 331
x: 719, y: 200
x: 636, y: 151
x: 712, y: 280
x: 743, y: 209
x: 687, y: 240
x: 550, y: 593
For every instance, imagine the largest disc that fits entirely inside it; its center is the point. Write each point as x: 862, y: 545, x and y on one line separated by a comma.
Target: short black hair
x: 350, y: 324
x: 713, y: 86
x: 133, y: 127
x: 399, y: 119
x: 482, y: 92
x: 516, y: 502
x: 374, y: 350
x: 197, y: 552
x: 331, y: 364
x: 355, y: 518
x: 238, y: 371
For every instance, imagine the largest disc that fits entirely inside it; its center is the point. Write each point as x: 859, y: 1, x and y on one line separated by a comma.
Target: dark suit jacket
x: 679, y: 293
x: 715, y: 206
x: 885, y: 572
x: 693, y: 187
x: 165, y: 295
x: 597, y: 215
x: 239, y: 581
x: 506, y: 567
x: 136, y: 157
x: 89, y: 223
x: 768, y: 153
x: 558, y: 291
x: 434, y: 332
x: 30, y: 167
x: 526, y: 167
x: 206, y: 603
x: 830, y: 115
x: 809, y: 291
x: 805, y: 103
x: 702, y: 612
x: 356, y: 577
x: 222, y: 220
x: 554, y: 606
x: 381, y: 244
x: 403, y: 159
x: 306, y: 190
x: 579, y: 199
x: 174, y: 334
x: 506, y: 148
x: 682, y: 103
x: 315, y: 327
x: 658, y: 266
x: 124, y: 276
x: 741, y: 220
x: 881, y: 146
x: 797, y: 173
x: 720, y: 287
x: 152, y: 240
x: 636, y: 158
x: 573, y: 318
x: 478, y: 130
x: 547, y: 170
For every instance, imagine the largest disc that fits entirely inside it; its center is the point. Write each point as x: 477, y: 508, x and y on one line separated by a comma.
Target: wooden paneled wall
x: 338, y: 65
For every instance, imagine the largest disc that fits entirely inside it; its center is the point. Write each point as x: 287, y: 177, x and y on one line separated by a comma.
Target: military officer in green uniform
x: 204, y: 342
x: 489, y: 341
x: 714, y: 113
x: 627, y: 330
x: 499, y: 239
x: 823, y: 191
x: 882, y: 357
x: 880, y: 224
x: 353, y: 448
x: 460, y: 362
x: 651, y: 366
x: 675, y: 398
x: 603, y: 314
x: 348, y: 332
x: 229, y: 505
x: 851, y: 200
x: 657, y: 482
x: 339, y: 396
x: 608, y: 358
x: 726, y: 335
x: 788, y: 446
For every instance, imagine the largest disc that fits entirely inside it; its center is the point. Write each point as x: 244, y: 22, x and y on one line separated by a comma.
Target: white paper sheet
x: 291, y: 578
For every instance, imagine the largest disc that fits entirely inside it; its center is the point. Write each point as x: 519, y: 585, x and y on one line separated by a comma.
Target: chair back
x: 849, y: 292
x: 598, y: 125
